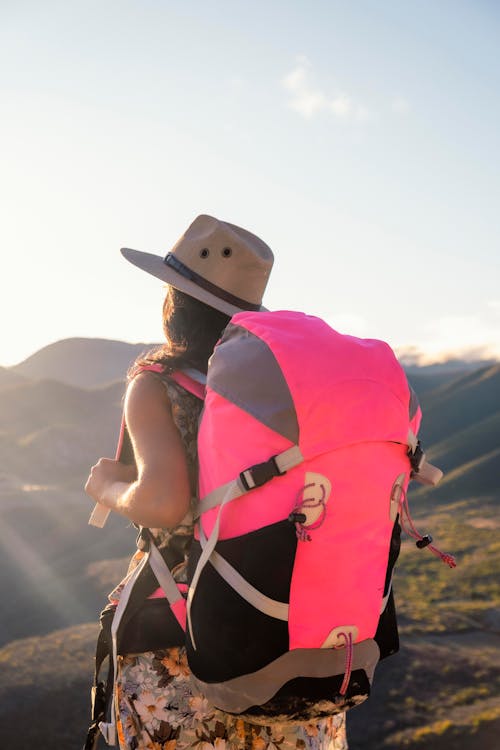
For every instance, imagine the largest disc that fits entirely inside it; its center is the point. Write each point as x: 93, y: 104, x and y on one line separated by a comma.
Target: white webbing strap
x: 163, y: 575
x: 226, y: 492
x: 195, y: 374
x: 289, y: 459
x: 284, y: 461
x: 204, y: 557
x: 108, y: 729
x: 270, y: 607
x: 167, y: 582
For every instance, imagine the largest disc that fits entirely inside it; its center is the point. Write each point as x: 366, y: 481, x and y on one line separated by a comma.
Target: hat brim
x: 154, y: 265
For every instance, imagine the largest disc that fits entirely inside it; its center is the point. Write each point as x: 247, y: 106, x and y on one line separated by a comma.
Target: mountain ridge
x: 83, y: 362
x: 87, y: 362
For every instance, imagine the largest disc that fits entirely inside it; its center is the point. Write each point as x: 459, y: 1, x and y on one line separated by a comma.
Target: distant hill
x: 461, y: 434
x: 55, y: 569
x: 461, y: 402
x: 44, y: 693
x: 424, y: 381
x: 90, y: 362
x: 83, y: 362
x: 9, y: 377
x: 34, y: 405
x: 51, y: 432
x: 413, y: 362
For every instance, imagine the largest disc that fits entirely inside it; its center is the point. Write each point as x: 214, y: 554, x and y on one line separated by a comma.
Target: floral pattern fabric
x: 156, y: 710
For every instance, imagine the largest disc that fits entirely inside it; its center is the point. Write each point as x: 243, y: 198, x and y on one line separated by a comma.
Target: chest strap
x: 251, y: 478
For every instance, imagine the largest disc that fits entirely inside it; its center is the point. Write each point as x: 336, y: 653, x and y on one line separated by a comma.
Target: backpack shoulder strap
x: 189, y: 378
x: 192, y: 380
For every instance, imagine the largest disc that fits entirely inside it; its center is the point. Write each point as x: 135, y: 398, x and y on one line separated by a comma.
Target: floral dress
x: 156, y: 708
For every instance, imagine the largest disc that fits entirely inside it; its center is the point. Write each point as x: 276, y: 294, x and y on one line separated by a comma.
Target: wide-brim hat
x: 218, y: 263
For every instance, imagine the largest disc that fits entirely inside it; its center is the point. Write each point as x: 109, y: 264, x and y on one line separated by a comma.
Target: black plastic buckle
x: 416, y: 457
x: 424, y: 542
x: 260, y: 474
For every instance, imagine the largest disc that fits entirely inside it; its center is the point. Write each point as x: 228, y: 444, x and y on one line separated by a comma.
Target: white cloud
x: 309, y: 100
x: 414, y: 355
x: 468, y: 337
x: 341, y: 106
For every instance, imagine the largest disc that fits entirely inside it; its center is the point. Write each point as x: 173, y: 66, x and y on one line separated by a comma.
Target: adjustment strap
x: 270, y: 607
x: 251, y: 478
x: 191, y: 380
x: 204, y: 557
x: 163, y: 575
x: 259, y: 474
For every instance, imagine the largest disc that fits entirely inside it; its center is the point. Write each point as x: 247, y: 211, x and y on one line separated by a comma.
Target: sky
x: 359, y: 139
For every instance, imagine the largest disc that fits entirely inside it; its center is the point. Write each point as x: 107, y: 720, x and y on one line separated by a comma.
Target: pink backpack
x: 306, y: 444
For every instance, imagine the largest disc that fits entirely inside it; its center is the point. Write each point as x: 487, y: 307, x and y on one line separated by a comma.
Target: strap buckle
x: 257, y: 475
x: 417, y: 457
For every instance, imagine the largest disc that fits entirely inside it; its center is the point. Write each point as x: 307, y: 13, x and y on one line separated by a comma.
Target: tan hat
x: 220, y: 264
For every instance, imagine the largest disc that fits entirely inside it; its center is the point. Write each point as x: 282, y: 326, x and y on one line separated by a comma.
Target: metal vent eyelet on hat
x: 227, y: 252
x: 204, y: 253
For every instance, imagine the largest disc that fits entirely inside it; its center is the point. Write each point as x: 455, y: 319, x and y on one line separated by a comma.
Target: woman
x: 215, y: 270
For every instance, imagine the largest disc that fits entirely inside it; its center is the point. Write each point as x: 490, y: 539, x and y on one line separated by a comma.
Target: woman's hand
x: 104, y: 474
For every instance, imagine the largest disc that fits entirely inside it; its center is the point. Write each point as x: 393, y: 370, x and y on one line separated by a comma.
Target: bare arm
x: 159, y: 494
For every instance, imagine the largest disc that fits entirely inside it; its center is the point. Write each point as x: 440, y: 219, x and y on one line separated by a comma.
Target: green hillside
x: 462, y: 446
x: 51, y: 433
x: 45, y: 689
x: 460, y: 403
x: 473, y: 479
x: 34, y: 405
x: 55, y: 569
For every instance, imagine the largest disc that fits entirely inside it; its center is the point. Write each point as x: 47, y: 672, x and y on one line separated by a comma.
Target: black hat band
x: 174, y: 263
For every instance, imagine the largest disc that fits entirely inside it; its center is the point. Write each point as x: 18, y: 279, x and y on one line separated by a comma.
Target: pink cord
x: 412, y: 531
x: 308, y: 502
x: 120, y: 440
x: 348, y: 662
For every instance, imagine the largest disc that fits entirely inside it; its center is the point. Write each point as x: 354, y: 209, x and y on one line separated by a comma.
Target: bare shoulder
x: 145, y: 394
x: 162, y: 490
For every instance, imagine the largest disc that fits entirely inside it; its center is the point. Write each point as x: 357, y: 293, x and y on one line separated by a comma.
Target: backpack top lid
x: 316, y: 387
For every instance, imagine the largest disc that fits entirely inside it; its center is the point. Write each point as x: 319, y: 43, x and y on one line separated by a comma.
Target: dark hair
x: 191, y: 330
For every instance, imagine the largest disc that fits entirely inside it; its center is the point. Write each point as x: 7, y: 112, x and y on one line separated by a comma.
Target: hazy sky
x: 359, y: 139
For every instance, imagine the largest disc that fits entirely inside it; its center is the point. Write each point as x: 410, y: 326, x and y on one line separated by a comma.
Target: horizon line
x: 408, y: 354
